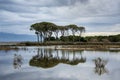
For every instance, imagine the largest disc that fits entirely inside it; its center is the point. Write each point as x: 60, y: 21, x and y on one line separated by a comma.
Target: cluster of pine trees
x: 47, y: 31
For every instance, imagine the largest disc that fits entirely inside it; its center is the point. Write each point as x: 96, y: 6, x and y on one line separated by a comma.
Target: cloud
x: 17, y: 29
x: 114, y: 28
x: 100, y: 33
x: 11, y: 16
x: 97, y: 16
x: 90, y: 9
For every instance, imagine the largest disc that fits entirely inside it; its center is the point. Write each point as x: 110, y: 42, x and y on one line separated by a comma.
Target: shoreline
x: 67, y: 46
x: 90, y: 49
x: 56, y: 43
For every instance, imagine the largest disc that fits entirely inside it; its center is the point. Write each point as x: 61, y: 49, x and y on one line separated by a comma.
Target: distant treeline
x: 112, y: 41
x: 112, y: 38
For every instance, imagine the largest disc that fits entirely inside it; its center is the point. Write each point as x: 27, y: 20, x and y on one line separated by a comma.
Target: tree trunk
x: 80, y: 36
x: 37, y: 38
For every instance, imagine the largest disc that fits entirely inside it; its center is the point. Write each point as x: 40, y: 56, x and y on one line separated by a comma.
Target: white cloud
x: 100, y: 33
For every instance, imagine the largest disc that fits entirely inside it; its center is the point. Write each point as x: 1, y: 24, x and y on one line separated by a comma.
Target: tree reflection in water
x: 47, y: 58
x: 100, y: 66
x: 17, y: 61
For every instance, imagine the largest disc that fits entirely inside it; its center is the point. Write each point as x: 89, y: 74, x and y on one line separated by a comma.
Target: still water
x: 46, y: 63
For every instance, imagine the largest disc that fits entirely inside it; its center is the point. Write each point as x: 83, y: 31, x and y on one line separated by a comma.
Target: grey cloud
x: 6, y: 1
x: 71, y: 7
x: 81, y: 12
x: 18, y: 8
x: 43, y: 3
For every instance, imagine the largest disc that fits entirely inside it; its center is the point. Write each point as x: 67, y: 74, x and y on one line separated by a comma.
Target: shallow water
x: 43, y: 63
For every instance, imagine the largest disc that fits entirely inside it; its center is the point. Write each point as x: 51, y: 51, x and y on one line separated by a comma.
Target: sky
x: 97, y: 16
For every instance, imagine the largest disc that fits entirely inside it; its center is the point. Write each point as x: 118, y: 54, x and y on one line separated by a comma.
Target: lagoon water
x: 46, y: 63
